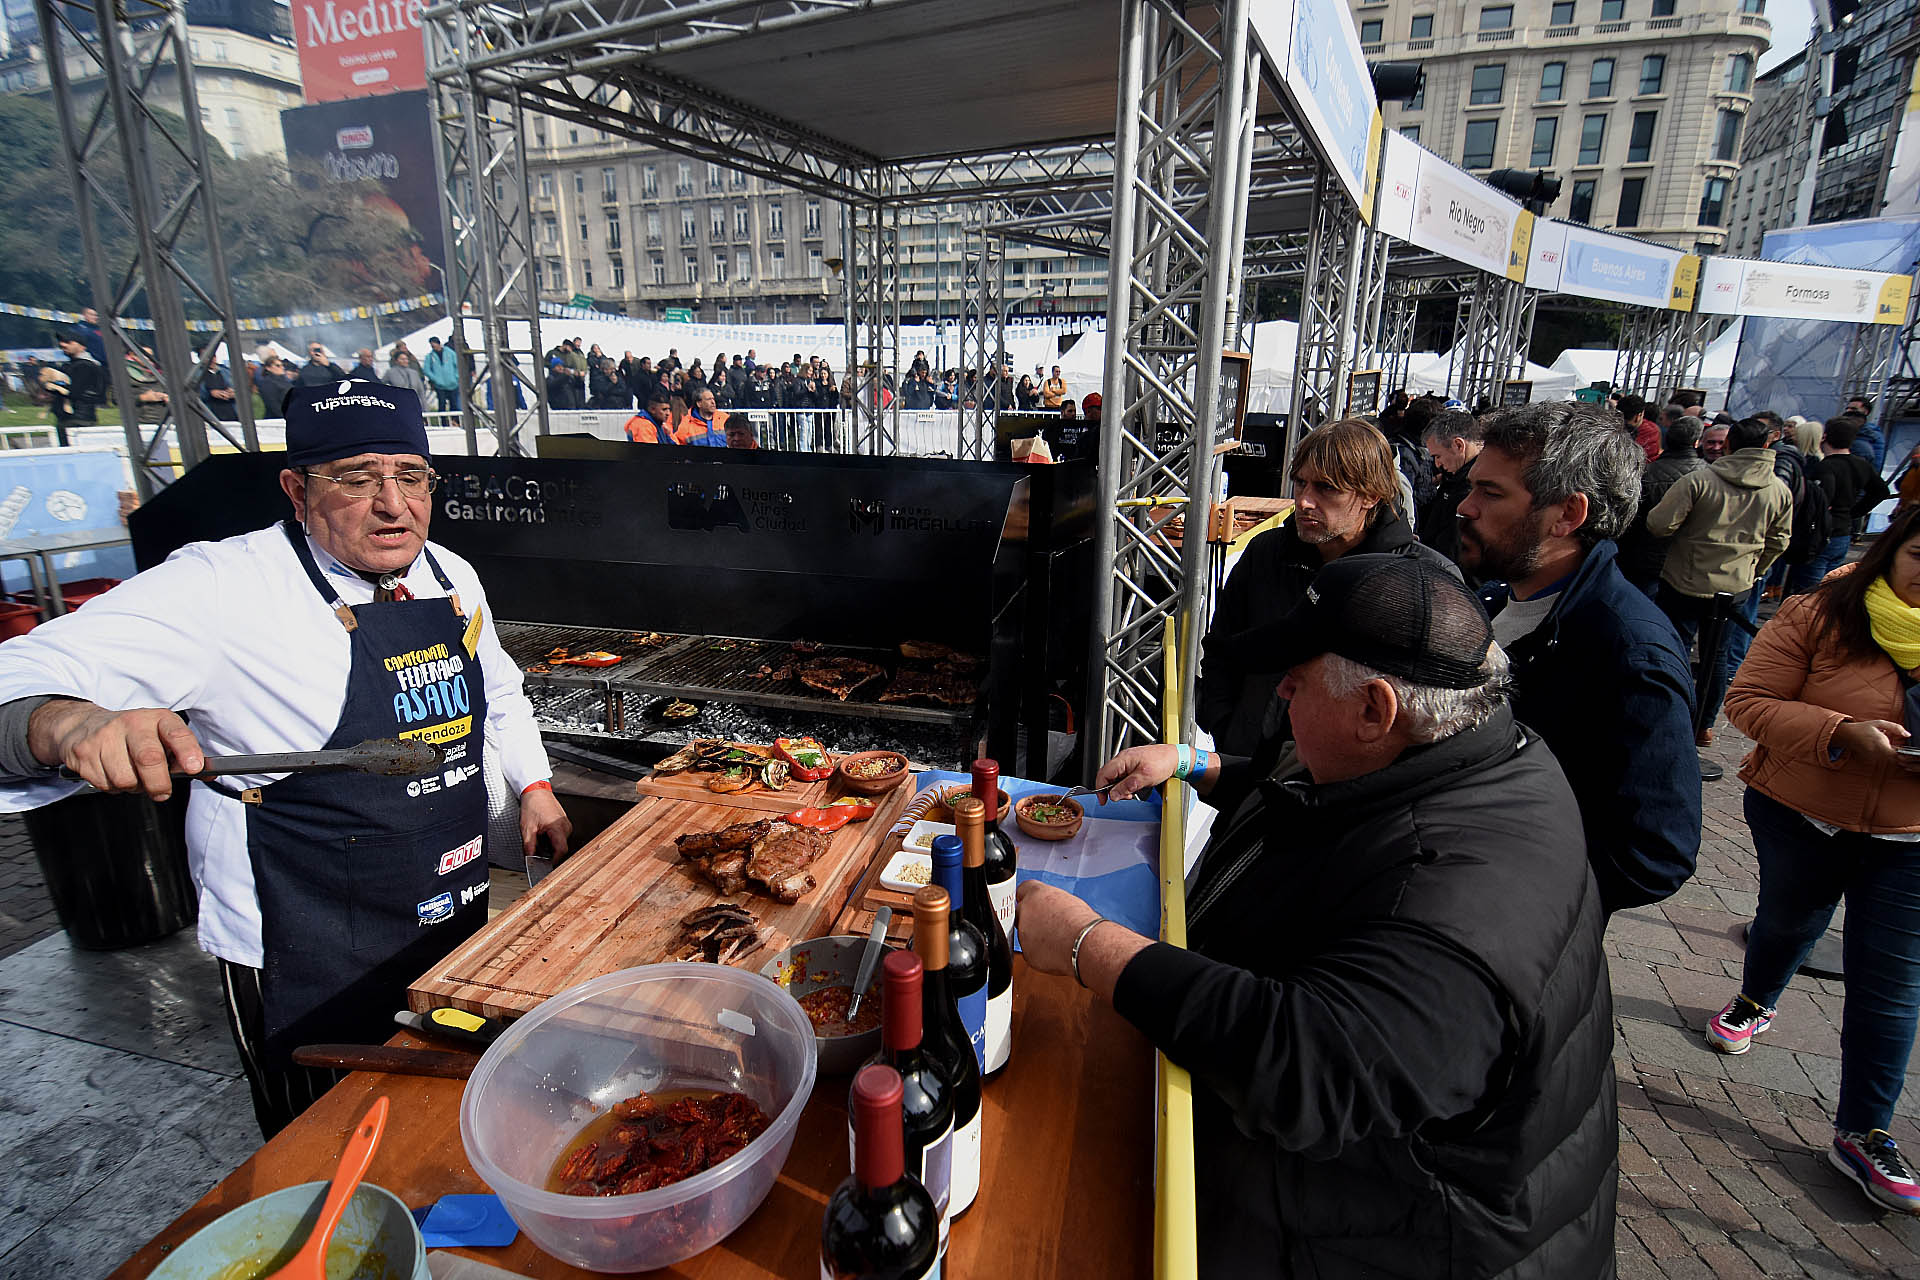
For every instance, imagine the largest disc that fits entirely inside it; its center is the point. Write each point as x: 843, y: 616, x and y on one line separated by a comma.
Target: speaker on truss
x: 1397, y: 81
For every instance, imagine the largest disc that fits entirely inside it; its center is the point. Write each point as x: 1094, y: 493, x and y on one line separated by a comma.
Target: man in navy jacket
x: 1598, y: 670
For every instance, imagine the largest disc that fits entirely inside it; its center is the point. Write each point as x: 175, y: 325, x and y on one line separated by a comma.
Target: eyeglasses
x: 416, y: 483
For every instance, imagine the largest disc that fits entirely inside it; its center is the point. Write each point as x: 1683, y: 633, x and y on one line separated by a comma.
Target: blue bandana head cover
x: 343, y: 419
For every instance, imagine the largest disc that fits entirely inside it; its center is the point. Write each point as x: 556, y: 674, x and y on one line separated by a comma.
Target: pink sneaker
x: 1732, y: 1029
x: 1873, y: 1161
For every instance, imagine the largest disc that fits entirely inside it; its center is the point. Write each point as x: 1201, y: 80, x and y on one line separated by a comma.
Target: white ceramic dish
x: 919, y: 837
x: 894, y: 874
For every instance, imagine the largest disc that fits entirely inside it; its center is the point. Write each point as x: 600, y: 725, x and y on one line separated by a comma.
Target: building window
x: 1753, y: 6
x: 579, y: 184
x: 777, y: 263
x: 688, y: 231
x: 1640, y: 141
x: 1593, y: 136
x: 1580, y: 203
x: 1370, y: 31
x: 573, y: 137
x: 1488, y: 83
x: 613, y: 231
x: 619, y: 274
x: 556, y: 273
x: 780, y: 317
x: 1561, y: 15
x: 742, y: 222
x: 725, y: 314
x: 719, y: 268
x: 586, y: 275
x: 749, y: 316
x: 1478, y: 152
x: 1739, y: 73
x: 1612, y: 10
x: 743, y: 265
x: 540, y: 282
x: 1545, y: 130
x: 1411, y: 132
x: 550, y: 230
x: 818, y: 311
x: 813, y: 217
x: 813, y: 263
x: 1421, y: 28
x: 1419, y: 99
x: 717, y: 220
x: 659, y: 265
x: 1600, y: 79
x: 649, y: 181
x: 583, y: 231
x: 1713, y: 202
x: 776, y: 219
x: 684, y: 179
x: 716, y: 177
x: 1653, y: 72
x: 1631, y: 191
x: 653, y: 226
x: 1662, y: 8
x: 693, y: 269
x: 539, y: 133
x: 546, y: 186
x: 608, y: 191
x: 1496, y: 17
x: 1726, y: 138
x: 1553, y: 79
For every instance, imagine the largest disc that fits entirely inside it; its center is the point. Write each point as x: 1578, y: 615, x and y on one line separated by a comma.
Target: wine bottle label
x: 973, y: 1020
x: 931, y: 1273
x: 1003, y: 896
x: 999, y: 1039
x: 966, y: 1164
x: 936, y: 1172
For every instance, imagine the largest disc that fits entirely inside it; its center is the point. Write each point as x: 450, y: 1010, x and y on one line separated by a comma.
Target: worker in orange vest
x: 707, y: 423
x: 655, y: 425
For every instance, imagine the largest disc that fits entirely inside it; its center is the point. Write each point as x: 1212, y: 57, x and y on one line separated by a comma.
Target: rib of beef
x: 952, y: 691
x: 773, y: 856
x: 839, y: 676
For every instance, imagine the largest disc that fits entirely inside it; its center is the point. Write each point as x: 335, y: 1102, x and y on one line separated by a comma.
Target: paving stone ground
x: 26, y: 913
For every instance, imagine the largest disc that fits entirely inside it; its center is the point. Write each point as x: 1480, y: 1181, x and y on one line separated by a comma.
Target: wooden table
x: 1067, y: 1163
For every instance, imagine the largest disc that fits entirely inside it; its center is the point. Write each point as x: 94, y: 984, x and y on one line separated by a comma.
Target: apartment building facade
x: 1638, y: 106
x: 1773, y: 157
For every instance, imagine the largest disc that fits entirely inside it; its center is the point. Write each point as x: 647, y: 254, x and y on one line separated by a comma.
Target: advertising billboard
x: 383, y: 147
x: 355, y: 50
x: 1324, y: 73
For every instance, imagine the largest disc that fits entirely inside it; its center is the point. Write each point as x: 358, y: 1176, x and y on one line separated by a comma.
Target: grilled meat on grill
x: 929, y: 651
x: 840, y: 677
x: 948, y: 690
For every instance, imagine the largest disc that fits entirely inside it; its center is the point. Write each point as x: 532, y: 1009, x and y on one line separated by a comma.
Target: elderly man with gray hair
x: 1597, y: 667
x: 1394, y: 1001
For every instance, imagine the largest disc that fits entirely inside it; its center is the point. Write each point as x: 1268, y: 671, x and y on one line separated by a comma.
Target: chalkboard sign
x: 1363, y: 391
x: 1230, y: 411
x: 1515, y: 392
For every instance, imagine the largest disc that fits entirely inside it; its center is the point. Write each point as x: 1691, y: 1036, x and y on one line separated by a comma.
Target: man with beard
x: 1598, y: 670
x: 1345, y: 491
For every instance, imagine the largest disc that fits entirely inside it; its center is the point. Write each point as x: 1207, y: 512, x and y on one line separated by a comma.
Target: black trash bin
x: 116, y: 867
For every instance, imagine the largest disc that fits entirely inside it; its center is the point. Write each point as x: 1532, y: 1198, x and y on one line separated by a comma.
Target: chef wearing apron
x: 324, y: 895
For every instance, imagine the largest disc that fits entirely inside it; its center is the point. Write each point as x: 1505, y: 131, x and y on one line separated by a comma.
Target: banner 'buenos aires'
x: 357, y: 50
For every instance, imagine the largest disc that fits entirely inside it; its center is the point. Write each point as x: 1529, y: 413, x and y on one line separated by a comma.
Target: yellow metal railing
x: 1175, y: 1236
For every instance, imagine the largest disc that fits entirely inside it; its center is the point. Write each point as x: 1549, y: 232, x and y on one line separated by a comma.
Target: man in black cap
x: 323, y: 895
x: 1393, y: 1000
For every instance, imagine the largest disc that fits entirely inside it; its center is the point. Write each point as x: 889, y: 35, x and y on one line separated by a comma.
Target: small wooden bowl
x: 872, y: 786
x: 941, y: 811
x: 1049, y: 830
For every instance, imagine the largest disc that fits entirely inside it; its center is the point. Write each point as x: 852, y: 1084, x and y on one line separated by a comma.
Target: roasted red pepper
x: 824, y: 819
x: 809, y: 759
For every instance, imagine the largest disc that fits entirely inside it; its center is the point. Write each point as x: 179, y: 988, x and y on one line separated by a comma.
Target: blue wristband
x: 1184, y: 766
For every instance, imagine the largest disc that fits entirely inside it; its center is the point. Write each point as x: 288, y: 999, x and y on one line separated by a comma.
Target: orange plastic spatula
x: 311, y: 1262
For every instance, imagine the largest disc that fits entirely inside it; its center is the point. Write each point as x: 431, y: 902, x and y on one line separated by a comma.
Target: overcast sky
x: 1792, y: 20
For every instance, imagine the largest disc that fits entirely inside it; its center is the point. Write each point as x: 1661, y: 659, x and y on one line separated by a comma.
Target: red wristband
x: 542, y: 785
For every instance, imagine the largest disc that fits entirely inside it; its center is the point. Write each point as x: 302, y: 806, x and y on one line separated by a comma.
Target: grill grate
x: 528, y: 643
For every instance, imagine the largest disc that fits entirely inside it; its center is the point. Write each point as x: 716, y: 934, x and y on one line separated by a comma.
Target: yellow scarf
x: 1895, y: 625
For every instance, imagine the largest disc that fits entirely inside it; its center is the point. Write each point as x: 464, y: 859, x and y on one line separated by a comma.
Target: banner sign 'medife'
x: 350, y: 50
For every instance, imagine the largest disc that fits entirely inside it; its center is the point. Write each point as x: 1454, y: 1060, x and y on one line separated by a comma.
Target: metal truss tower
x: 1496, y: 326
x: 148, y: 174
x: 1660, y: 351
x: 1179, y: 187
x: 1339, y: 251
x: 872, y: 282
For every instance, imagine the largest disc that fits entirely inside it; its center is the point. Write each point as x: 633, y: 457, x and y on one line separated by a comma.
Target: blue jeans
x: 1803, y: 875
x: 1806, y: 577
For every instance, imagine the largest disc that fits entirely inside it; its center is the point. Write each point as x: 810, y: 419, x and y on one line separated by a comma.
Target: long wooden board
x: 692, y: 785
x: 617, y: 903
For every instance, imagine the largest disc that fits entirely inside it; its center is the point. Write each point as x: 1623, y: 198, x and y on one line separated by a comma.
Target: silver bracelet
x: 1076, y: 947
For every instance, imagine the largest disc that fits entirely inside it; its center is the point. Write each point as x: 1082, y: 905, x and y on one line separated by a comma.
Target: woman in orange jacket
x: 1828, y: 695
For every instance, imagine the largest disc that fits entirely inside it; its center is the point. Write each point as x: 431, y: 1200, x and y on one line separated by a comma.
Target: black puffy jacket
x: 1397, y: 1018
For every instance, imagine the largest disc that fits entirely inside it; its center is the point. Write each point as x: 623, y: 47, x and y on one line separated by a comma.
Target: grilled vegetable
x: 773, y: 775
x: 809, y: 759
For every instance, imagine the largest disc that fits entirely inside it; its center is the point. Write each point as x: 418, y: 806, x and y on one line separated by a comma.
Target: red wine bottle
x: 968, y: 819
x: 926, y: 1103
x: 946, y: 1041
x: 1003, y: 860
x: 880, y: 1224
x: 966, y: 946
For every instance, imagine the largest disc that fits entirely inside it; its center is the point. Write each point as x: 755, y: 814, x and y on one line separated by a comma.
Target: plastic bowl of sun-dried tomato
x: 662, y: 1099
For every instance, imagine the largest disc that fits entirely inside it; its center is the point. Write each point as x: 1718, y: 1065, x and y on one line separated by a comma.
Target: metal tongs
x: 1091, y: 791
x: 389, y: 757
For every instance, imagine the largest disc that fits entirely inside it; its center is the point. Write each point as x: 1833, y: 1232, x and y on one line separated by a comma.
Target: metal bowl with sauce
x: 815, y: 965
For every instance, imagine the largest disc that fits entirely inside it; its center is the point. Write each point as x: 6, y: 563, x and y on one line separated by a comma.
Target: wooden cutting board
x: 692, y: 786
x: 617, y: 903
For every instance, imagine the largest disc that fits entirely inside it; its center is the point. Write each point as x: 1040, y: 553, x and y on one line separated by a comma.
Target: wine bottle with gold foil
x: 969, y: 820
x: 946, y: 1042
x: 1003, y: 860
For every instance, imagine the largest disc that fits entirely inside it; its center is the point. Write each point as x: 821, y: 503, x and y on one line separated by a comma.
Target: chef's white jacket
x: 233, y: 635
